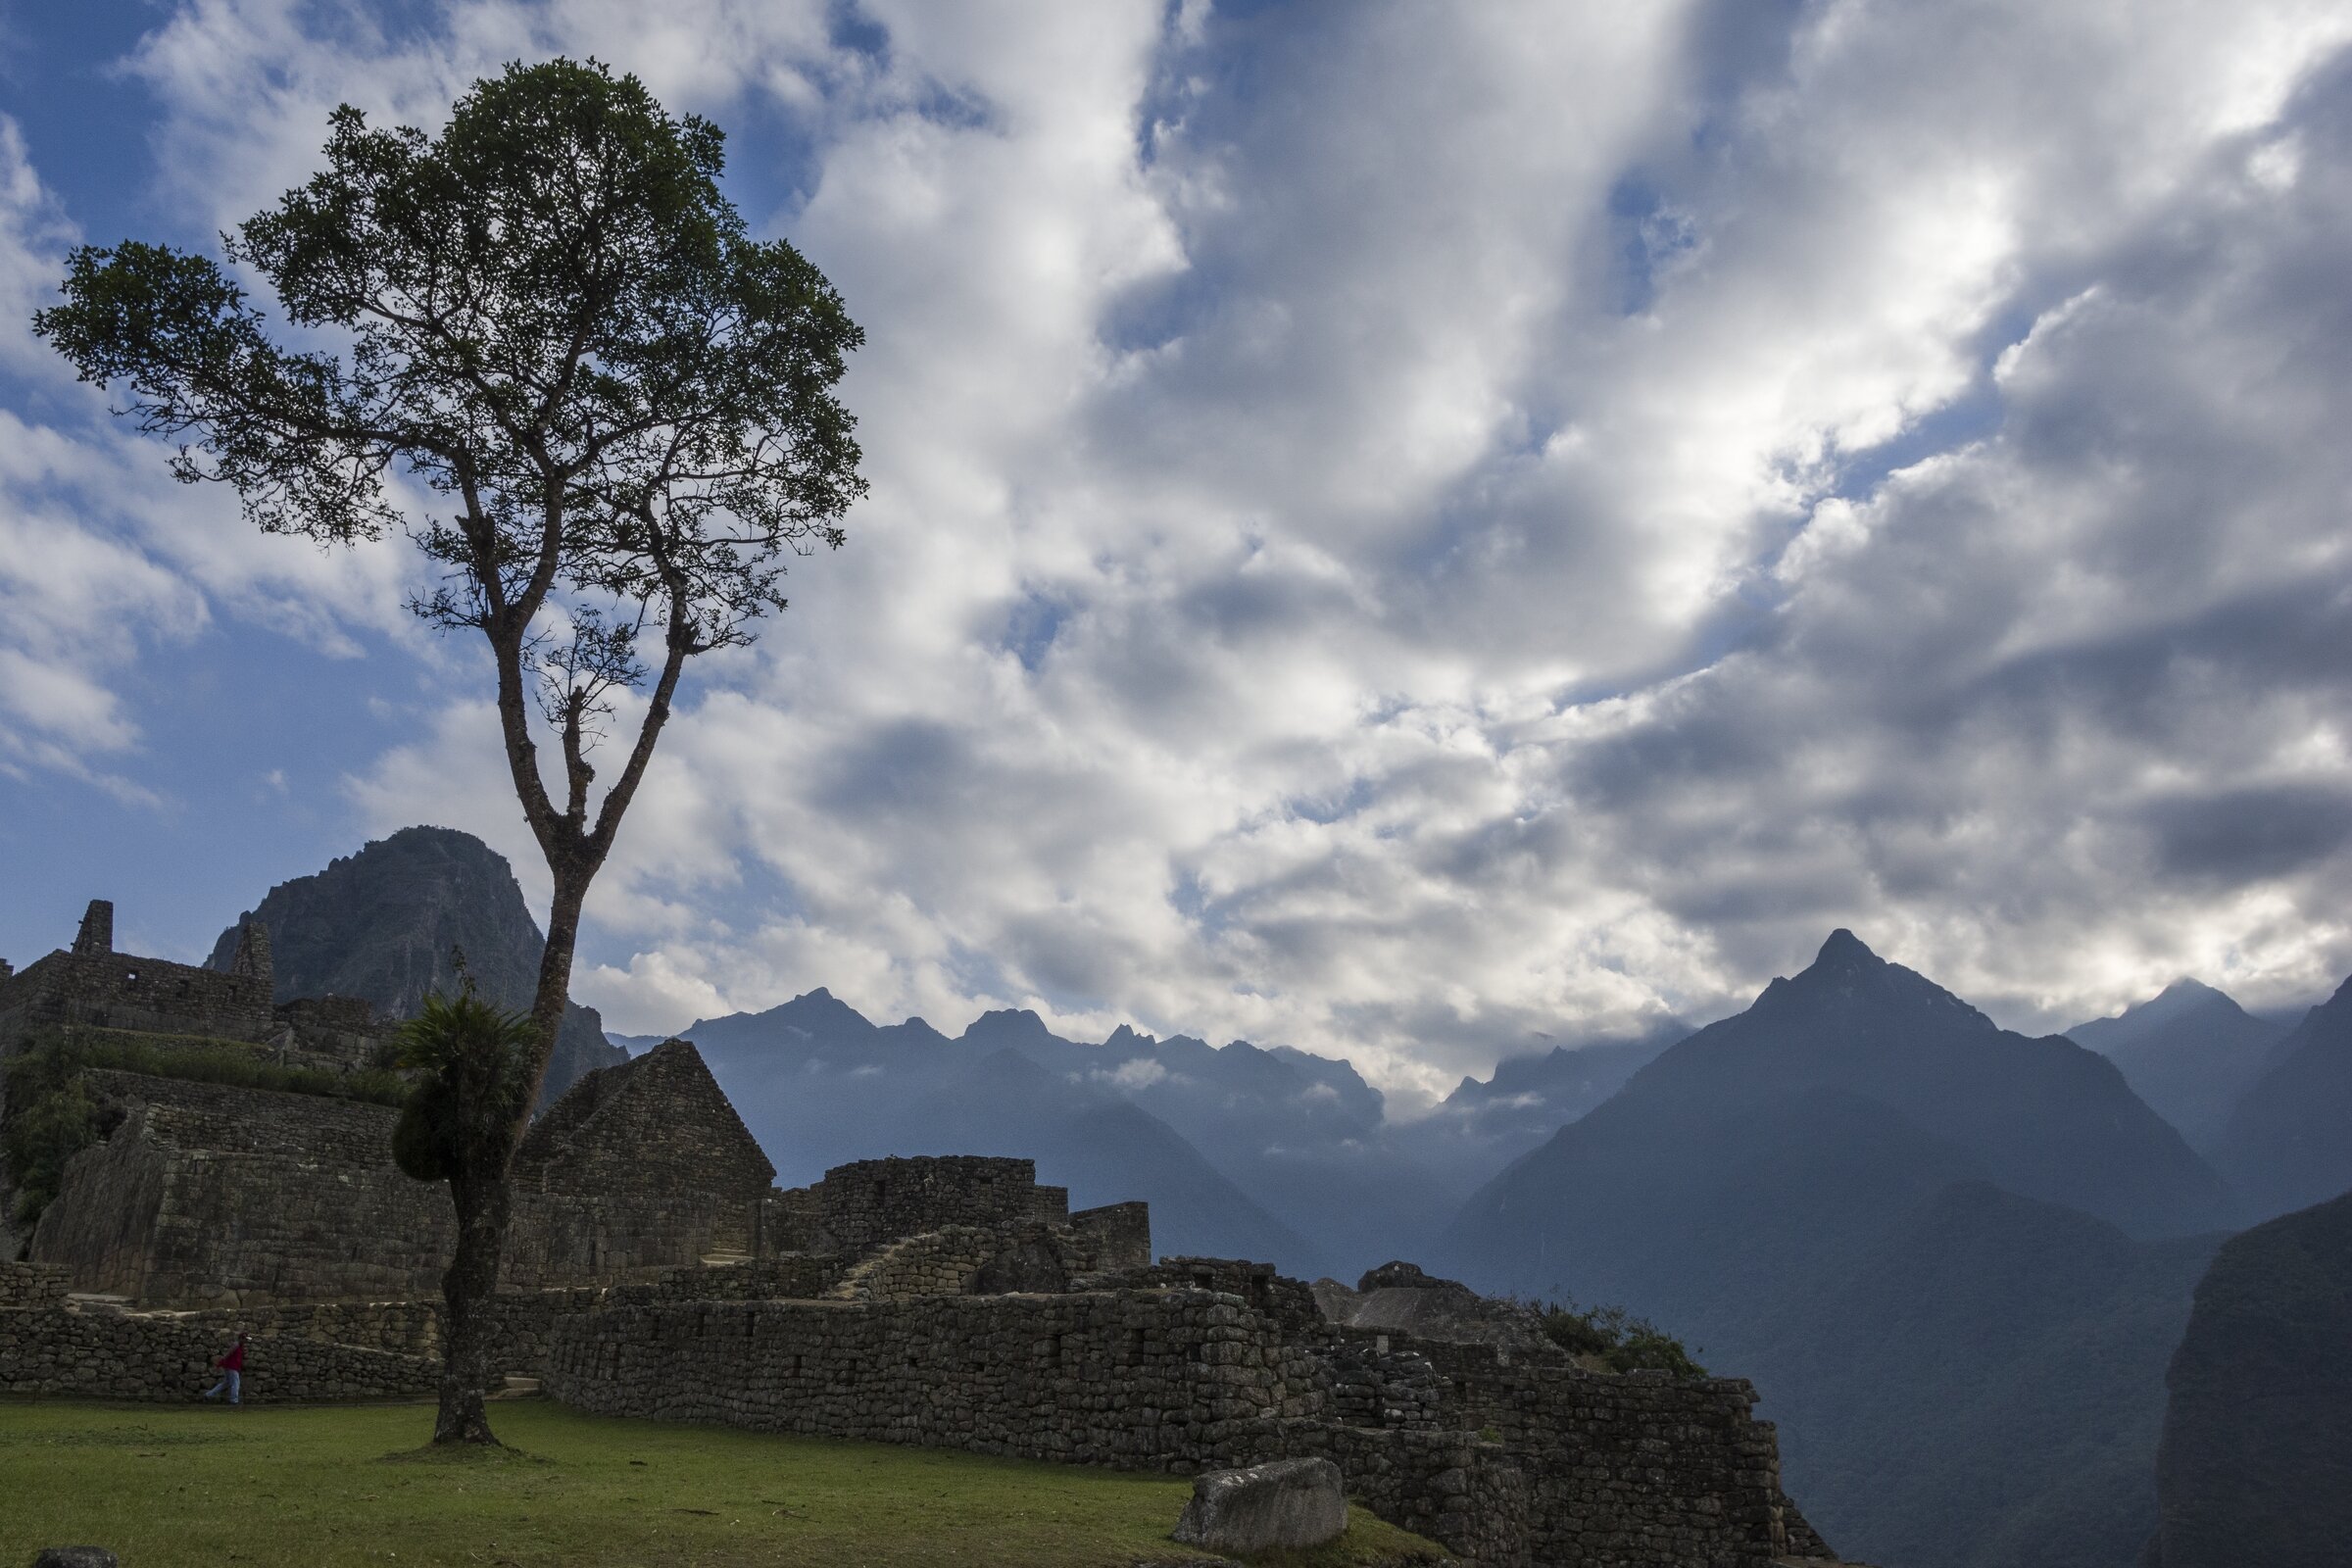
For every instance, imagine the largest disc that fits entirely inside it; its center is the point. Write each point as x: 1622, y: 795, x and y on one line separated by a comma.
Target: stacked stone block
x: 211, y: 1195
x: 1585, y: 1468
x: 48, y: 1348
x: 862, y: 1205
x: 30, y: 1285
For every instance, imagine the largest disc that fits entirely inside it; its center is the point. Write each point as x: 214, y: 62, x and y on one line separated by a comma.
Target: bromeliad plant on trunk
x: 475, y: 1075
x: 620, y: 404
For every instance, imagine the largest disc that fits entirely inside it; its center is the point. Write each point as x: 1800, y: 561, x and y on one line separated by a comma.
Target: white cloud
x: 1393, y: 529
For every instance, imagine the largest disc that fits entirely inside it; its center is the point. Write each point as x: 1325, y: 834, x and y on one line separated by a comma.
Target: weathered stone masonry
x: 93, y: 984
x: 48, y: 1348
x: 1591, y: 1469
x: 214, y: 1196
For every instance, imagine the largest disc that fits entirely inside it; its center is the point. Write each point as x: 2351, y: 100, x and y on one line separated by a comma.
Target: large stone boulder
x: 1289, y: 1503
x: 74, y: 1557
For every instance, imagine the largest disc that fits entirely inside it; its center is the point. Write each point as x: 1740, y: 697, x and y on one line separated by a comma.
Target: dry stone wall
x: 1028, y: 1256
x: 1120, y: 1234
x: 211, y: 1195
x: 52, y: 1350
x: 1587, y: 1469
x: 1152, y: 1379
x: 862, y: 1205
x: 1634, y: 1467
x: 24, y: 1284
x: 118, y: 991
x: 399, y: 1327
x: 214, y: 1196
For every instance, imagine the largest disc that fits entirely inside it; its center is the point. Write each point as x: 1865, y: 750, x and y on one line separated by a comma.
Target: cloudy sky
x: 1402, y: 529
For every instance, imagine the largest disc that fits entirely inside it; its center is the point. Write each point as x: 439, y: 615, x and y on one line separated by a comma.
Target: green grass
x: 325, y: 1487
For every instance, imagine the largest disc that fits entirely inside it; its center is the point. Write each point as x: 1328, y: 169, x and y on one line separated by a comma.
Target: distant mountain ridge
x: 2190, y: 1051
x: 2288, y: 1143
x: 1493, y: 1122
x: 385, y: 924
x: 820, y: 1084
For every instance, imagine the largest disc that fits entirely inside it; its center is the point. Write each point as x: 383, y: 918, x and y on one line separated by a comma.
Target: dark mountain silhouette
x: 2190, y: 1051
x: 2048, y: 1118
x: 1781, y: 1161
x: 1981, y: 1386
x: 2256, y: 1463
x: 2288, y: 1144
x: 383, y: 924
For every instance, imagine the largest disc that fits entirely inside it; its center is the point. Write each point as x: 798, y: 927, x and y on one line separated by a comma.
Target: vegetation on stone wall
x: 53, y: 1112
x: 1628, y: 1343
x: 49, y: 1123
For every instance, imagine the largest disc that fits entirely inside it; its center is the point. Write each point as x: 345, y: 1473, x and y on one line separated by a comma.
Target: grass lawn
x: 324, y: 1486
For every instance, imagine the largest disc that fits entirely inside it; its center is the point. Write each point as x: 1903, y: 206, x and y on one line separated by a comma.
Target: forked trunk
x: 469, y: 1287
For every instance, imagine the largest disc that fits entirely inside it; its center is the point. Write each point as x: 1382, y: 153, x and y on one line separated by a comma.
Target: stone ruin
x: 655, y: 1270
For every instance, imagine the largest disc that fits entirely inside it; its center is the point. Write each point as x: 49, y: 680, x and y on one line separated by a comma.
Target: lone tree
x: 550, y: 319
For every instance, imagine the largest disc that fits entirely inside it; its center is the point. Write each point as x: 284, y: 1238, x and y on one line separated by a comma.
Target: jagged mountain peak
x: 1846, y: 950
x: 820, y: 1012
x: 1846, y: 975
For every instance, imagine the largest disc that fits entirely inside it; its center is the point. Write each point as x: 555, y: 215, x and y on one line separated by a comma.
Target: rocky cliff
x: 385, y: 924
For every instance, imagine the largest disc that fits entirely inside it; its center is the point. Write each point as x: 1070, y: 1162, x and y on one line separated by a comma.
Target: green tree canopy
x: 621, y: 404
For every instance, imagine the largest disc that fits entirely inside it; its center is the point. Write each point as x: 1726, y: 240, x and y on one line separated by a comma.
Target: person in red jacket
x: 233, y: 1372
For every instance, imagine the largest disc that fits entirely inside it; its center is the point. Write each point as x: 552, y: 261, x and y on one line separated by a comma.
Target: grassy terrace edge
x: 336, y: 1486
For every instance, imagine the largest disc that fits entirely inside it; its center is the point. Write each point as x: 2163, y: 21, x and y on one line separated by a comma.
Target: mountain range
x: 1242, y: 1152
x: 1955, y: 1259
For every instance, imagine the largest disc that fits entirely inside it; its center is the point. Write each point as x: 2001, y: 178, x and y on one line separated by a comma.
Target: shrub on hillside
x: 1610, y: 1333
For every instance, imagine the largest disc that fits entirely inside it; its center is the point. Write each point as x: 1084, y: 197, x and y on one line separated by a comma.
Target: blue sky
x: 1393, y: 529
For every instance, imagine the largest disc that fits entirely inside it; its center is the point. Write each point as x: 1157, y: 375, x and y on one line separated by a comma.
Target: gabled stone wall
x: 209, y: 1195
x: 659, y: 1122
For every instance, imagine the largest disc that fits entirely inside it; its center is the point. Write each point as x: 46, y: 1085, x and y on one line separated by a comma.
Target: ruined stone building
x: 655, y: 1271
x: 213, y: 1194
x: 92, y: 985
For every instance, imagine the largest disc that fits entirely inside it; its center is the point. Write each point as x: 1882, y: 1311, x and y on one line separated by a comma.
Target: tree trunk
x: 468, y: 1292
x: 555, y: 973
x: 484, y: 1199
